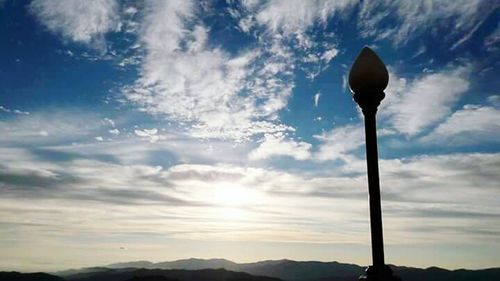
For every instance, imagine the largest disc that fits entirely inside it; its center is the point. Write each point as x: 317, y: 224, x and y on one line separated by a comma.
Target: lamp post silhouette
x: 367, y: 79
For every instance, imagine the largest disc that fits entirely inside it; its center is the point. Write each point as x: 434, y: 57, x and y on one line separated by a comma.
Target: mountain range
x: 290, y: 270
x: 226, y: 270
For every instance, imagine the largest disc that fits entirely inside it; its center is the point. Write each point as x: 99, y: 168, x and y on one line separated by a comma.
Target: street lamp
x: 367, y: 79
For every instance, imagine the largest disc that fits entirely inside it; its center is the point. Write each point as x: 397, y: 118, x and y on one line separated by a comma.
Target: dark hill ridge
x: 284, y: 269
x: 151, y: 278
x: 439, y: 274
x: 306, y: 270
x: 132, y: 274
x: 39, y: 276
x: 168, y: 275
x: 321, y: 271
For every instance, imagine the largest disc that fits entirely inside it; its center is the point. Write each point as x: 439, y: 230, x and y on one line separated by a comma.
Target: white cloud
x: 15, y: 111
x: 473, y: 124
x: 57, y: 126
x: 494, y: 100
x: 146, y: 132
x: 149, y: 134
x: 411, y: 18
x: 80, y: 21
x: 328, y: 55
x: 412, y: 106
x: 279, y: 145
x: 407, y: 18
x: 43, y: 133
x: 215, y: 93
x: 491, y: 41
x: 467, y: 36
x: 316, y: 99
x: 108, y: 122
x: 469, y: 177
x: 295, y: 16
x: 341, y: 141
x: 337, y: 143
x: 287, y: 24
x: 73, y: 133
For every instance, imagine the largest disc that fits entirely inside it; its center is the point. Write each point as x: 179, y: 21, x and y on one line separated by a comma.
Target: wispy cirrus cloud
x: 470, y: 125
x: 410, y: 19
x: 491, y: 42
x: 287, y: 24
x: 411, y: 106
x: 295, y: 17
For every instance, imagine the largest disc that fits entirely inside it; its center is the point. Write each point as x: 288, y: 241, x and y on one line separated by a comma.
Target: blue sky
x: 161, y: 130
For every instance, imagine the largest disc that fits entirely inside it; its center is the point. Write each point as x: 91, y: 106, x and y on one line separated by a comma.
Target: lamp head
x: 368, y: 73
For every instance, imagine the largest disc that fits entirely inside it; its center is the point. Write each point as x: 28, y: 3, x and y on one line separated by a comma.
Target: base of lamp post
x: 379, y: 274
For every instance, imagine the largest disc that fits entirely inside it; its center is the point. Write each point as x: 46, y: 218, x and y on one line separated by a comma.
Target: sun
x: 233, y: 195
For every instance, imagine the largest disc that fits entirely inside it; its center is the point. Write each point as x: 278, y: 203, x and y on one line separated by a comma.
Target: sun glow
x: 233, y: 201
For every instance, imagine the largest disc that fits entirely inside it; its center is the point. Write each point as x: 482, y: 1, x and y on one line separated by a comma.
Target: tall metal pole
x: 368, y: 79
x: 374, y: 189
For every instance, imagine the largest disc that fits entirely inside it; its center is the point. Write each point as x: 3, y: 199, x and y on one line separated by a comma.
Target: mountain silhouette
x: 152, y: 278
x: 167, y: 275
x: 17, y: 276
x: 284, y: 269
x: 287, y: 270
